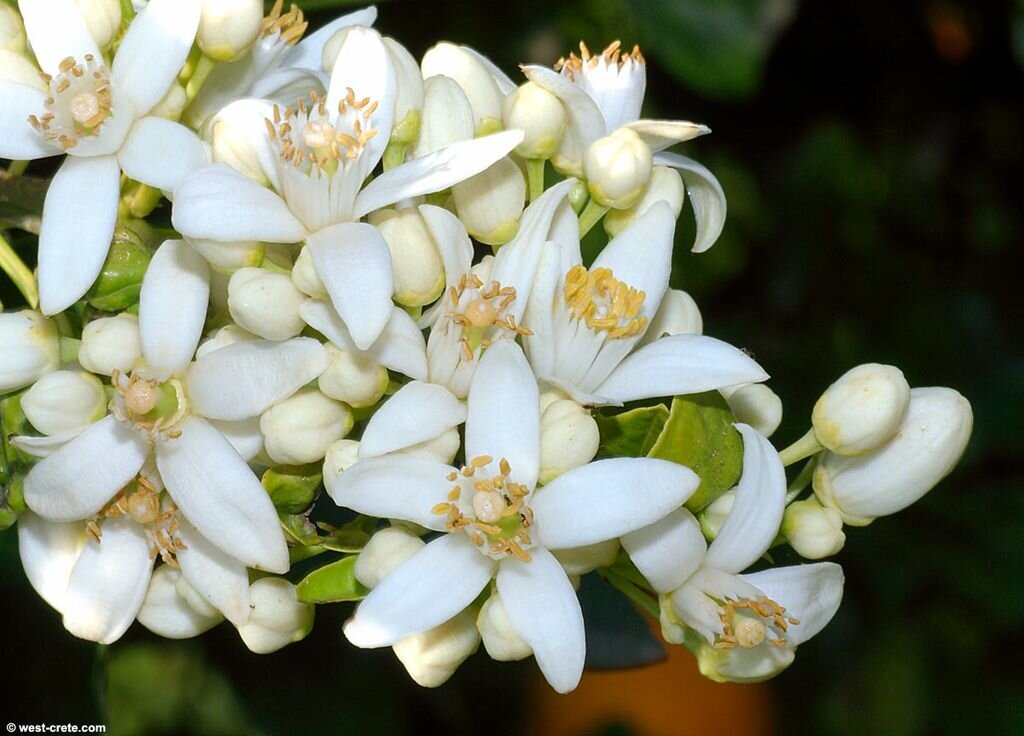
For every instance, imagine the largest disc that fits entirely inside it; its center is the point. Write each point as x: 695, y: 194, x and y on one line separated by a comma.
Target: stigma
x: 78, y: 104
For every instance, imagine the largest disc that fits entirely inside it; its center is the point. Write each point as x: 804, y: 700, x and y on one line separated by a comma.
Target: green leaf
x: 631, y: 433
x: 699, y: 434
x: 332, y: 583
x: 292, y: 488
x: 350, y: 537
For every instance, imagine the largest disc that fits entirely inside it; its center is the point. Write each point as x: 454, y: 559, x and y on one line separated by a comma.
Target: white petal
x: 668, y: 551
x: 608, y: 498
x: 435, y: 171
x: 18, y: 139
x: 109, y: 582
x: 222, y: 498
x: 242, y: 380
x: 425, y: 591
x: 78, y: 221
x: 543, y: 607
x: 43, y: 446
x: 308, y: 53
x: 218, y: 577
x: 810, y: 593
x: 452, y: 241
x: 695, y: 604
x: 505, y: 85
x: 395, y: 487
x: 244, y: 435
x: 416, y: 413
x: 706, y: 194
x: 76, y: 481
x: 153, y: 51
x: 504, y: 412
x: 539, y: 315
x: 166, y: 613
x: 48, y: 553
x: 56, y: 30
x: 678, y: 365
x: 160, y: 153
x: 172, y: 307
x: 660, y: 134
x: 217, y: 203
x: 756, y: 515
x: 248, y: 130
x: 354, y: 264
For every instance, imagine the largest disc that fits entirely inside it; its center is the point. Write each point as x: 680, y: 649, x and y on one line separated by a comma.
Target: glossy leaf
x: 332, y: 583
x: 632, y: 433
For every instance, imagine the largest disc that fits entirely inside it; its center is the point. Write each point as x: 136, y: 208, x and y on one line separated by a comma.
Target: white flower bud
x: 63, y: 401
x: 341, y: 456
x: 102, y: 17
x: 441, y: 448
x: 715, y: 514
x: 305, y: 277
x: 172, y: 104
x: 925, y: 448
x: 475, y: 79
x: 501, y: 640
x: 12, y: 30
x: 432, y: 657
x: 617, y: 168
x: 581, y: 560
x: 447, y: 116
x: 352, y: 378
x: 814, y: 531
x: 299, y: 429
x: 417, y: 270
x: 195, y: 600
x: 226, y: 258
x: 16, y: 68
x: 757, y: 405
x: 166, y: 613
x: 409, y: 101
x: 331, y: 49
x: 568, y: 439
x: 677, y: 315
x: 277, y: 618
x: 31, y: 348
x: 491, y: 203
x: 226, y: 335
x: 862, y: 409
x: 265, y: 303
x: 665, y: 185
x: 386, y: 550
x: 228, y: 27
x: 739, y: 665
x: 230, y: 134
x: 110, y: 343
x: 540, y: 115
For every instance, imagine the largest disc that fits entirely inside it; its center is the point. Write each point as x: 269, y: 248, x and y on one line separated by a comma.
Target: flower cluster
x: 366, y: 300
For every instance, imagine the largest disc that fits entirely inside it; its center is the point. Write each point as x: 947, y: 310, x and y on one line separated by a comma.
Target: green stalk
x: 535, y: 176
x: 590, y: 216
x: 804, y: 447
x: 632, y: 592
x: 18, y: 272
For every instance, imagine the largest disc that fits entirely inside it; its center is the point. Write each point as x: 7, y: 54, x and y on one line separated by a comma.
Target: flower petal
x: 78, y: 221
x: 166, y: 613
x: 153, y: 51
x: 160, y: 153
x: 678, y: 365
x: 217, y: 203
x: 18, y: 139
x: 48, y: 553
x: 308, y: 53
x: 244, y: 379
x: 354, y: 264
x: 608, y: 498
x: 543, y: 608
x: 218, y: 493
x: 218, y: 577
x: 584, y: 118
x: 417, y: 412
x: 77, y: 481
x: 810, y: 593
x: 56, y: 30
x: 756, y: 516
x: 668, y: 551
x: 43, y: 446
x: 425, y: 591
x: 504, y: 412
x: 435, y: 171
x: 244, y: 435
x: 706, y: 194
x: 695, y: 601
x: 172, y: 307
x: 109, y: 582
x: 660, y: 134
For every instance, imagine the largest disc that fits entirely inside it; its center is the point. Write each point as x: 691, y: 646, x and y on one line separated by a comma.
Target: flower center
x: 290, y: 25
x: 613, y: 56
x: 747, y: 623
x: 604, y: 303
x: 477, y: 307
x: 140, y: 501
x: 79, y: 102
x: 153, y: 407
x: 497, y: 517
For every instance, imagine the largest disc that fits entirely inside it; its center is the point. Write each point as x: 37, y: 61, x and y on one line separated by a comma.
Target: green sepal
x: 120, y: 281
x: 292, y: 488
x: 332, y: 583
x: 632, y: 433
x: 351, y: 537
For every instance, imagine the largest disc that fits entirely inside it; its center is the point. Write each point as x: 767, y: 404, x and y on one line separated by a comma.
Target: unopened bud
x: 231, y: 133
x: 226, y: 258
x: 386, y: 550
x: 757, y: 405
x: 63, y: 401
x: 173, y: 103
x: 228, y: 27
x: 441, y: 448
x: 299, y: 429
x: 277, y: 618
x: 569, y: 438
x: 31, y: 348
x: 665, y: 185
x: 862, y: 409
x: 227, y: 335
x: 501, y: 640
x: 12, y: 30
x: 541, y: 117
x: 305, y: 277
x: 735, y: 665
x: 120, y: 280
x: 110, y: 343
x: 617, y: 168
x: 581, y: 560
x: 431, y: 657
x: 491, y: 203
x: 352, y: 378
x: 16, y: 68
x: 447, y: 116
x: 812, y: 530
x: 677, y: 315
x: 416, y: 266
x: 291, y: 488
x: 473, y: 77
x: 167, y: 613
x: 265, y: 303
x: 715, y: 514
x: 102, y: 17
x: 341, y: 456
x: 409, y: 101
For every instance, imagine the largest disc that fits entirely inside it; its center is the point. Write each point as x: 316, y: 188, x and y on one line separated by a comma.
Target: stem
x: 802, y: 480
x: 69, y: 347
x: 590, y: 216
x: 195, y: 83
x: 143, y: 201
x: 535, y: 177
x: 17, y: 168
x: 19, y: 273
x: 394, y: 155
x: 803, y: 447
x: 633, y: 593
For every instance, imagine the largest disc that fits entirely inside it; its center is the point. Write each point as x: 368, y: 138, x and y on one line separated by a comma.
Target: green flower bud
x: 120, y: 280
x: 292, y: 488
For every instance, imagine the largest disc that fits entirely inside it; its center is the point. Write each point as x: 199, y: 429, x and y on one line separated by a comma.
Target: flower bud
x: 581, y: 560
x: 31, y: 348
x: 568, y: 439
x: 299, y: 429
x: 16, y: 68
x: 540, y: 115
x: 409, y: 101
x: 447, y: 116
x: 12, y: 30
x: 341, y: 456
x: 862, y: 409
x: 386, y: 550
x: 194, y: 599
x: 305, y: 277
x: 352, y: 378
x: 742, y: 665
x: 265, y: 303
x: 501, y: 640
x: 665, y: 185
x: 416, y: 267
x: 677, y: 315
x: 226, y: 335
x: 102, y: 17
x: 715, y: 514
x: 473, y: 77
x: 63, y: 401
x: 491, y: 203
x: 173, y: 104
x: 120, y: 281
x: 277, y: 618
x: 167, y: 613
x: 231, y: 133
x: 228, y: 27
x: 617, y: 168
x: 925, y: 448
x: 431, y: 657
x: 226, y: 258
x: 757, y: 405
x: 441, y: 448
x: 814, y: 531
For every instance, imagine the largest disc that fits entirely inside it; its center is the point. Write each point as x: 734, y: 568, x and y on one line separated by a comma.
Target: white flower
x: 862, y: 409
x: 31, y: 348
x: 99, y: 117
x: 498, y: 525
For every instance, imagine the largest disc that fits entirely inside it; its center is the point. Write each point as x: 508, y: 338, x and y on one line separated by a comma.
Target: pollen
x: 290, y: 26
x: 80, y: 100
x: 604, y: 303
x: 476, y: 307
x: 746, y: 623
x: 141, y: 501
x: 612, y: 56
